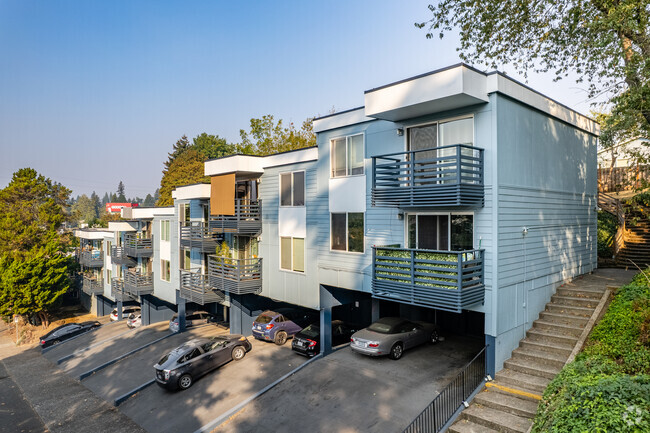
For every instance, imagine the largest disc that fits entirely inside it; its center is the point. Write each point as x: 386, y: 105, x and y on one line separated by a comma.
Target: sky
x: 97, y: 92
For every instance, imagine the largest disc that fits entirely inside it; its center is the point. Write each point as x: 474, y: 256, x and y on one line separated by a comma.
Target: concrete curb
x: 589, y: 326
x: 47, y: 349
x: 224, y: 416
x: 119, y: 358
x: 124, y: 397
x: 80, y: 351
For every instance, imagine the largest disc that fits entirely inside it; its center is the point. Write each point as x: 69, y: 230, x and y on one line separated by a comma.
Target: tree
x: 148, y: 201
x: 606, y: 42
x: 212, y: 146
x: 105, y: 199
x: 267, y: 137
x: 33, y: 265
x: 186, y: 169
x: 179, y: 147
x: 84, y: 209
x: 121, y: 198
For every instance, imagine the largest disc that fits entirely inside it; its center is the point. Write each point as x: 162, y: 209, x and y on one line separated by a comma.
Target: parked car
x: 307, y: 341
x: 125, y: 312
x: 192, y: 319
x: 392, y: 336
x: 278, y: 326
x: 67, y: 331
x: 182, y: 366
x: 134, y: 320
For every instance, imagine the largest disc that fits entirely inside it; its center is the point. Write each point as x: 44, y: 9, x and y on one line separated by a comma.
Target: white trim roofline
x: 255, y: 165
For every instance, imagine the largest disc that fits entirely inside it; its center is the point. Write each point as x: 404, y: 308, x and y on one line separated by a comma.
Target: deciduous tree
x: 267, y: 136
x: 186, y: 169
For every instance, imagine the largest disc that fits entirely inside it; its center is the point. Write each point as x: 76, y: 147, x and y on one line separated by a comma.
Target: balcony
x: 137, y: 283
x: 237, y: 276
x: 446, y: 176
x: 137, y: 247
x: 445, y: 280
x: 246, y: 221
x: 117, y: 290
x: 199, y: 235
x: 119, y: 257
x: 195, y: 287
x: 91, y: 259
x: 92, y: 286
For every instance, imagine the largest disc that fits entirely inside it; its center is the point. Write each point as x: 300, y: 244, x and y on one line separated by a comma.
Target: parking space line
x: 80, y: 351
x: 124, y: 397
x: 47, y: 349
x: 119, y: 358
x: 224, y: 416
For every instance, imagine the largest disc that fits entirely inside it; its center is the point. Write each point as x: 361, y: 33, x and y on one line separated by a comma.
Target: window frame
x: 291, y: 243
x: 347, y: 155
x: 165, y: 230
x: 347, y: 233
x: 448, y: 214
x: 165, y: 274
x: 292, y: 184
x: 439, y: 122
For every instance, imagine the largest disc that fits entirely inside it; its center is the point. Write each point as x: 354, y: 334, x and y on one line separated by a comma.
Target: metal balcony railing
x: 195, y: 287
x: 237, y: 276
x: 119, y: 257
x: 446, y: 280
x: 199, y: 235
x: 246, y: 221
x: 92, y: 286
x: 117, y: 290
x: 137, y: 283
x: 438, y: 177
x: 137, y: 247
x: 91, y: 258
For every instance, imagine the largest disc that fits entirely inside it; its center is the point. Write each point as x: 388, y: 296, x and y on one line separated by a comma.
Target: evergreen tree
x: 120, y: 193
x: 186, y: 169
x: 105, y: 199
x: 148, y: 201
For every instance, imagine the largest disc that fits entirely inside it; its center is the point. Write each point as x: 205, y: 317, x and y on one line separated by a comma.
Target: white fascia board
x: 150, y: 212
x: 442, y: 90
x: 294, y: 157
x: 234, y: 164
x: 92, y: 234
x: 122, y: 226
x: 497, y: 82
x: 188, y: 192
x: 339, y: 120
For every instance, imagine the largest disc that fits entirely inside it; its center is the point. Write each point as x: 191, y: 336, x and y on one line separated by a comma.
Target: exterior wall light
x: 400, y: 131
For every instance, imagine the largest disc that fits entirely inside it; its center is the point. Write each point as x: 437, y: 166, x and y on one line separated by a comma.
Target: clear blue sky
x: 94, y: 92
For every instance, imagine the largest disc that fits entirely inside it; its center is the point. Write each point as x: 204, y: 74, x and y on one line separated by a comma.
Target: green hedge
x: 607, y: 387
x: 607, y: 227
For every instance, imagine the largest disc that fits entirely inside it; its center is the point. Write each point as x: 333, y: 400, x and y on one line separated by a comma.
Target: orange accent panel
x: 222, y: 194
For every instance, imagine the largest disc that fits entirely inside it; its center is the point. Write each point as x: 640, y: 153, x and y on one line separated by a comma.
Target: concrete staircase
x: 509, y: 402
x: 637, y: 245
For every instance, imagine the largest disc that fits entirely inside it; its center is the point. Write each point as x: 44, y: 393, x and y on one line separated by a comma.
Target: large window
x: 164, y: 230
x: 347, y: 230
x: 109, y: 244
x: 292, y: 189
x: 185, y: 212
x: 347, y: 156
x: 292, y: 254
x: 109, y: 275
x: 186, y: 260
x: 165, y: 270
x: 445, y: 232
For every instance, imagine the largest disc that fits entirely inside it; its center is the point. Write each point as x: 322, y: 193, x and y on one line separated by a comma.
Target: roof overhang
x: 92, y: 234
x: 250, y: 166
x: 189, y: 192
x: 123, y: 226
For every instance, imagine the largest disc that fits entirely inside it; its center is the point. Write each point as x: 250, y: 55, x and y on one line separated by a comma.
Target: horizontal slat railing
x: 446, y: 280
x: 137, y: 283
x: 119, y: 257
x: 440, y: 176
x: 137, y: 247
x: 238, y: 276
x: 247, y: 219
x: 195, y: 287
x: 434, y: 417
x: 199, y: 235
x: 92, y: 286
x: 91, y: 258
x: 117, y: 290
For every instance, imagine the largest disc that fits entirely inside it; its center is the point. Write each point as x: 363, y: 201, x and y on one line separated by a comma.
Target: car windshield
x: 263, y: 318
x: 382, y: 328
x: 311, y: 331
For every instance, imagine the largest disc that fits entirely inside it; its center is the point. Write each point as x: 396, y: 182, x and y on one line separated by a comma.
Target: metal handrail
x: 235, y: 269
x: 134, y: 246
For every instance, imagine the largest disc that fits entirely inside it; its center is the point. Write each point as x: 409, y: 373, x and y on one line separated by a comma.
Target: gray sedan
x: 392, y: 336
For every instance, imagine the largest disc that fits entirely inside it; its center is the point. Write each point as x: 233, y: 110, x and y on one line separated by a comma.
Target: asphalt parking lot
x: 348, y: 392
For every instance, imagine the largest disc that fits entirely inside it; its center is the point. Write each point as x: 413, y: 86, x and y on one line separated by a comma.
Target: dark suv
x: 279, y: 325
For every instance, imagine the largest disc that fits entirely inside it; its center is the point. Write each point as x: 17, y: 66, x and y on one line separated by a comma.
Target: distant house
x: 624, y: 166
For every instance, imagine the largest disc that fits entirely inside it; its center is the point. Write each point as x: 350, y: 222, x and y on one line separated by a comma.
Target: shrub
x: 607, y: 227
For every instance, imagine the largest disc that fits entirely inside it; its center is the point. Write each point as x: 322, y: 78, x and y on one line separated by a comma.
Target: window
x: 165, y: 230
x: 347, y: 230
x: 185, y: 212
x: 446, y: 232
x: 292, y: 189
x: 186, y: 260
x: 206, y: 213
x: 108, y: 248
x: 165, y: 270
x: 292, y: 254
x: 347, y: 156
x: 108, y: 275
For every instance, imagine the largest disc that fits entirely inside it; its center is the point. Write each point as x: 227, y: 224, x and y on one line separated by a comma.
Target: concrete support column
x: 181, y: 315
x: 326, y: 331
x: 490, y: 355
x: 374, y: 310
x: 146, y: 311
x: 120, y: 307
x: 235, y: 314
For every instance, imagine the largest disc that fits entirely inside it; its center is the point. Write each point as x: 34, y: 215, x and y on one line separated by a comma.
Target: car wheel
x: 55, y: 342
x: 238, y: 353
x: 185, y: 381
x: 396, y: 351
x: 434, y: 337
x: 280, y: 338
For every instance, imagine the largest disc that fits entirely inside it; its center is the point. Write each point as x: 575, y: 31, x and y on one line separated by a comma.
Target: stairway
x: 509, y: 402
x: 637, y: 245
